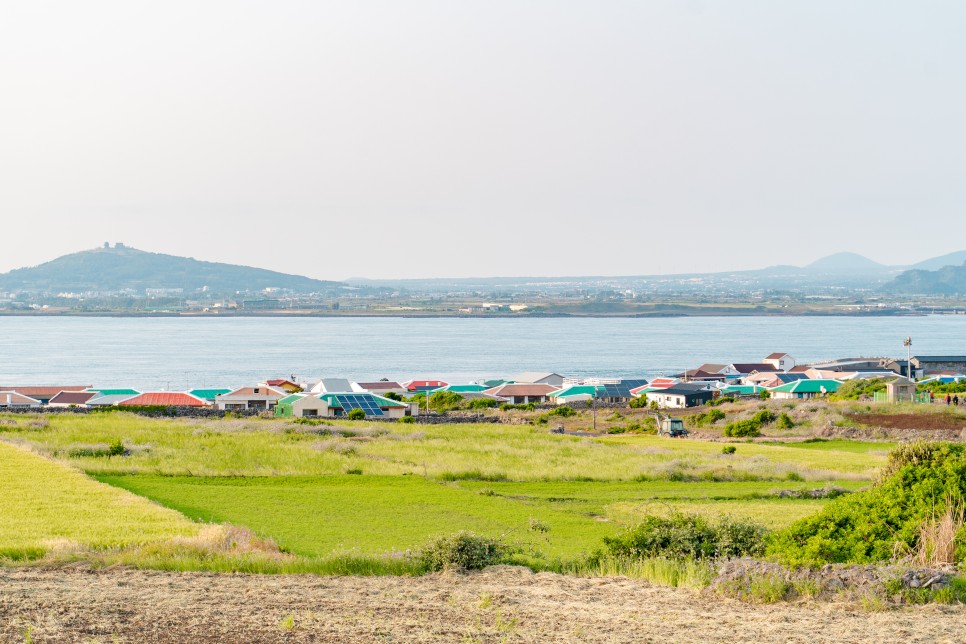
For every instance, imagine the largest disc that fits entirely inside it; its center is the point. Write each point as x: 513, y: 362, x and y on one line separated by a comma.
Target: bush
x: 356, y: 414
x: 392, y: 395
x: 743, y: 429
x: 481, y: 403
x: 445, y: 401
x: 462, y: 551
x: 688, y: 536
x: 858, y: 388
x: 563, y: 412
x: 116, y: 449
x: 764, y: 394
x: 729, y: 449
x: 918, y: 483
x: 407, y: 419
x: 720, y: 401
x: 524, y: 407
x: 638, y: 403
x: 784, y: 421
x: 709, y: 417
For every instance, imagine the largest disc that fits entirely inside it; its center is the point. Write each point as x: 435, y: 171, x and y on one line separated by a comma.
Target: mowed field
x: 367, y: 489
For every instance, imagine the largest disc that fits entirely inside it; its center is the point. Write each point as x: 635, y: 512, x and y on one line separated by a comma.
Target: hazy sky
x: 458, y: 138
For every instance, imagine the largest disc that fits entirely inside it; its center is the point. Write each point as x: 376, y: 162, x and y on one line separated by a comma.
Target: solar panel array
x: 619, y: 390
x: 364, y: 402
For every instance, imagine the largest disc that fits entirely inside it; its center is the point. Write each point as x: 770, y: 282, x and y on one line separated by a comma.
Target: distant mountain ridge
x: 948, y: 280
x: 121, y: 268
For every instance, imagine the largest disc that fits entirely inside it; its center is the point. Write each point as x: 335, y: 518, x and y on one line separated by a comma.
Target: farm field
x: 370, y: 490
x: 369, y: 515
x: 45, y: 505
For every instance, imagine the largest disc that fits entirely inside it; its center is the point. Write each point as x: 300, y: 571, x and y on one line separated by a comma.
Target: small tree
x: 356, y: 414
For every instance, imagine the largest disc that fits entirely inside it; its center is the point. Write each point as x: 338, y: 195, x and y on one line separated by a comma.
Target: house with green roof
x: 209, y: 394
x: 813, y: 388
x: 741, y: 390
x: 574, y: 393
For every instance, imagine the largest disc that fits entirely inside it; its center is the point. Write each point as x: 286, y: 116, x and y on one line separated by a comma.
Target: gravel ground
x: 501, y: 604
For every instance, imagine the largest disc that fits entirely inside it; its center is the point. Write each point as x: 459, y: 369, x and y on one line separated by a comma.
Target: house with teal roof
x: 800, y: 389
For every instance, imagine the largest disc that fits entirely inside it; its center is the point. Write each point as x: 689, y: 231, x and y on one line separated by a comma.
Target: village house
x: 331, y: 386
x: 14, y: 400
x: 780, y: 361
x: 680, y: 396
x: 380, y: 388
x: 522, y: 393
x: 163, y: 399
x: 540, y: 378
x: 72, y: 399
x: 44, y: 393
x: 422, y: 386
x: 804, y: 389
x: 283, y: 384
x: 260, y: 397
x: 339, y: 405
x: 923, y: 366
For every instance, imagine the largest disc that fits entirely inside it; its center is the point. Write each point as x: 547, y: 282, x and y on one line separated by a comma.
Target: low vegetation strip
x: 47, y: 506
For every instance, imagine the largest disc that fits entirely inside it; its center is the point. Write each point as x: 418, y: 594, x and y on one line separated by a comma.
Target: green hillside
x: 948, y: 280
x: 120, y: 268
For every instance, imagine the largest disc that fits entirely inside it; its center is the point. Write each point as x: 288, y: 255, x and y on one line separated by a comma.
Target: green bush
x: 709, y: 417
x: 867, y: 526
x: 858, y: 388
x: 638, y: 403
x: 720, y: 401
x: 481, y: 403
x: 563, y: 412
x: 356, y: 414
x: 729, y: 449
x: 392, y: 395
x: 687, y: 536
x: 407, y: 419
x: 784, y: 421
x: 957, y: 387
x: 445, y: 401
x: 116, y: 449
x: 462, y: 551
x: 764, y: 394
x: 523, y: 407
x: 743, y: 429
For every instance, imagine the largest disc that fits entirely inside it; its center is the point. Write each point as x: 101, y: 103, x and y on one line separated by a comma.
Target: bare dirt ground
x: 500, y: 604
x: 912, y: 421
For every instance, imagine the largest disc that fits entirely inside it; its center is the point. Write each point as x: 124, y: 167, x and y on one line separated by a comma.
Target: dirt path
x: 501, y: 604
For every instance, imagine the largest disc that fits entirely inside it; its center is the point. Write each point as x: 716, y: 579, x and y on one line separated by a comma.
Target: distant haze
x: 526, y: 137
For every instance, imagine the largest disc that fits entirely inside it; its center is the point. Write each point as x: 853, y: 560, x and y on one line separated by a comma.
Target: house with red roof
x: 163, y: 399
x: 419, y: 386
x: 44, y: 393
x: 283, y: 384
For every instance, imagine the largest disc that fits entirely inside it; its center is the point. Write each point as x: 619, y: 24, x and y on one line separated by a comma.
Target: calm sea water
x: 173, y: 353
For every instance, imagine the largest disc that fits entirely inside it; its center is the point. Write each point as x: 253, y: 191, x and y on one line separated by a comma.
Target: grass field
x: 259, y: 447
x: 45, y: 505
x: 350, y: 491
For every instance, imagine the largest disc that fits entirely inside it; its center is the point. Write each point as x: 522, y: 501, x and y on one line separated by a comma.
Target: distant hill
x: 948, y: 280
x: 935, y: 263
x: 121, y: 268
x: 846, y: 262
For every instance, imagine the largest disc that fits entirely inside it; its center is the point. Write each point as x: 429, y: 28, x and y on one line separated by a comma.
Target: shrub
x: 481, y: 403
x: 709, y: 417
x: 720, y: 401
x: 116, y: 449
x: 563, y: 412
x: 743, y: 429
x: 687, y: 536
x: 919, y: 483
x: 764, y: 394
x: 407, y: 419
x: 445, y: 401
x: 356, y: 414
x: 764, y: 417
x: 729, y: 449
x: 784, y: 421
x: 462, y: 551
x: 392, y: 395
x: 637, y: 403
x: 858, y: 388
x: 523, y: 407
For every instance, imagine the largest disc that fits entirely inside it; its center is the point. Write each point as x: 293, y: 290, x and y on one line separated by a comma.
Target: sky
x: 388, y: 139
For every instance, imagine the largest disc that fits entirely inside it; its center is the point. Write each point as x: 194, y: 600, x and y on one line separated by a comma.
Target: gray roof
x: 111, y: 399
x: 940, y: 358
x: 333, y: 385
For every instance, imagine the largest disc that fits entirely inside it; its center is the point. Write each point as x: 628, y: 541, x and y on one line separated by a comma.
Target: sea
x: 183, y: 353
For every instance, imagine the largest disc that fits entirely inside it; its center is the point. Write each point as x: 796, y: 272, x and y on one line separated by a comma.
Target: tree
x: 356, y: 414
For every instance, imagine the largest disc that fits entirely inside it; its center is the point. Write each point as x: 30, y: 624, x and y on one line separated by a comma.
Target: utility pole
x: 907, y: 343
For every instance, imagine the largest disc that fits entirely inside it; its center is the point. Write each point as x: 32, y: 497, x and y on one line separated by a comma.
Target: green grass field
x: 367, y: 489
x: 259, y: 447
x: 47, y: 505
